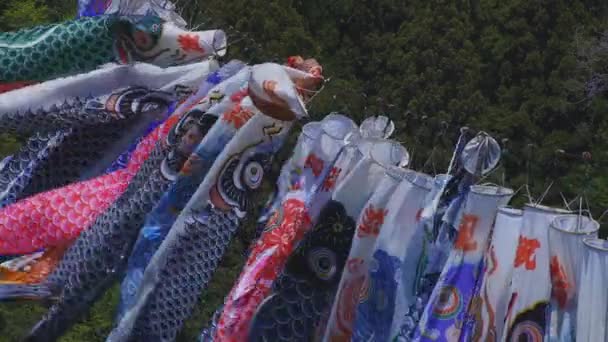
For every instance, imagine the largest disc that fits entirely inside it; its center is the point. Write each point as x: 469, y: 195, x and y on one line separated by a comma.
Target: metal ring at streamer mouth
x: 312, y: 130
x: 491, y: 190
x: 377, y: 127
x: 337, y: 126
x: 572, y: 224
x: 351, y: 139
x: 481, y: 154
x: 418, y: 179
x: 397, y: 154
x: 397, y: 173
x: 596, y: 243
x: 510, y: 211
x: 545, y: 209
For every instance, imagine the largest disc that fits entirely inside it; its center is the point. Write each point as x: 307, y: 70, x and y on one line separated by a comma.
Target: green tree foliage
x: 512, y: 68
x: 518, y: 69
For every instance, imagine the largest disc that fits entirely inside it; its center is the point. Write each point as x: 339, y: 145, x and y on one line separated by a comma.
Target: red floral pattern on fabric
x: 466, y: 234
x: 526, y: 253
x: 314, y: 163
x: 237, y: 116
x: 347, y: 305
x: 55, y: 217
x: 372, y: 221
x: 330, y: 181
x: 239, y: 95
x: 189, y: 42
x: 560, y: 283
x: 255, y: 282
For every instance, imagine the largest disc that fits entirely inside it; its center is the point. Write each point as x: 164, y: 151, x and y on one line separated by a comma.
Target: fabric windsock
x: 313, y: 271
x: 439, y: 244
x: 218, y: 76
x: 408, y: 305
x: 490, y: 305
x: 52, y: 218
x: 530, y: 292
x: 369, y: 224
x: 445, y: 315
x: 310, y: 133
x: 336, y: 128
x: 55, y: 217
x: 201, y: 234
x: 401, y: 211
x: 334, y: 124
x: 592, y: 314
x: 81, y: 124
x: 217, y: 125
x: 439, y: 229
x: 45, y: 52
x: 96, y: 116
x: 566, y: 250
x: 285, y: 229
x: 109, y: 94
x: 378, y: 157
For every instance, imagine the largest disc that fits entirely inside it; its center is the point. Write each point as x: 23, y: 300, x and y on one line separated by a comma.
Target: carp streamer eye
x: 143, y: 40
x: 322, y: 261
x: 253, y: 174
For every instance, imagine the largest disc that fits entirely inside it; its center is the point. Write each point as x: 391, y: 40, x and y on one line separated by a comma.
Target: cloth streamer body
x: 293, y: 178
x: 75, y: 46
x: 201, y: 233
x: 438, y: 232
x: 58, y: 210
x: 490, y: 307
x: 592, y: 314
x: 380, y: 284
x: 312, y: 272
x: 208, y: 227
x: 530, y: 290
x: 566, y: 250
x: 354, y: 269
x: 62, y: 115
x: 445, y: 316
x: 284, y: 230
x: 215, y: 119
x: 99, y: 254
x: 289, y: 171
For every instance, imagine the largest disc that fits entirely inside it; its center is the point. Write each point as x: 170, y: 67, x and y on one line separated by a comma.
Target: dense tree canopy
x: 532, y: 73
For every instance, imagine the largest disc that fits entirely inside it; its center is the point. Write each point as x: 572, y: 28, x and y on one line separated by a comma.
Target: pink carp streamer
x: 55, y: 217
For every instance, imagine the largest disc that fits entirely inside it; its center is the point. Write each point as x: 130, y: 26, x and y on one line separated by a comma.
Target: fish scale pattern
x: 16, y: 175
x: 304, y: 291
x: 50, y: 51
x: 292, y: 314
x: 79, y: 151
x: 25, y: 226
x: 70, y: 114
x: 194, y: 257
x: 91, y: 264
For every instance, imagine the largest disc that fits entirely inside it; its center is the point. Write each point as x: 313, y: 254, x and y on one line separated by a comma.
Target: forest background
x: 533, y: 73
